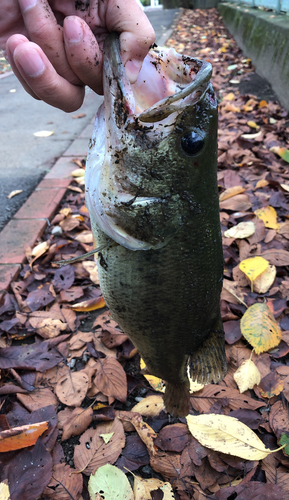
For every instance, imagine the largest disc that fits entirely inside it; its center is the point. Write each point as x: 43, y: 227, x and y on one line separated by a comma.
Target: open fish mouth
x: 134, y: 122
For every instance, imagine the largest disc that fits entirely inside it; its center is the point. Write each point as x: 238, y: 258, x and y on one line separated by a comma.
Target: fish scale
x: 152, y: 195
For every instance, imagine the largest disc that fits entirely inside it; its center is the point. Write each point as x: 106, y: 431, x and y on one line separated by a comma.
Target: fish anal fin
x: 208, y: 364
x: 177, y: 399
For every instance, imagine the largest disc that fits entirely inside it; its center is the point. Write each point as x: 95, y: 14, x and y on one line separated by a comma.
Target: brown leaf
x: 63, y: 485
x: 93, y: 452
x: 204, y: 399
x: 276, y: 257
x: 279, y: 419
x: 239, y: 203
x: 167, y: 464
x: 77, y: 422
x: 37, y: 399
x: 173, y: 437
x: 110, y: 379
x: 71, y: 389
x: 112, y: 337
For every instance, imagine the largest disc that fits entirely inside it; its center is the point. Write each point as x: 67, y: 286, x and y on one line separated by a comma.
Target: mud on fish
x: 152, y: 195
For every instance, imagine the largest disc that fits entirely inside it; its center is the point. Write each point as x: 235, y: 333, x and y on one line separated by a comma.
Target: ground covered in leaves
x: 72, y: 395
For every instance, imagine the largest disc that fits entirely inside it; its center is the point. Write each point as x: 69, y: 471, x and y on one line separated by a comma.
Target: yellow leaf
x: 231, y: 107
x: 229, y: 97
x: 155, y: 382
x: 269, y: 216
x: 260, y: 329
x: 143, y: 487
x: 274, y: 387
x: 79, y: 172
x: 263, y: 104
x: 227, y: 435
x: 252, y: 136
x: 107, y: 437
x: 84, y: 237
x: 247, y: 376
x: 40, y: 249
x: 4, y: 490
x: 241, y: 230
x: 44, y: 133
x: 261, y: 183
x: 253, y: 125
x: 265, y: 280
x: 150, y: 406
x: 230, y: 192
x: 14, y: 193
x: 253, y: 267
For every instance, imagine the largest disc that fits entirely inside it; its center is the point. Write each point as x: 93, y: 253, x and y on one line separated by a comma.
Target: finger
x: 43, y: 29
x: 137, y: 34
x: 41, y: 80
x: 11, y: 45
x: 83, y: 52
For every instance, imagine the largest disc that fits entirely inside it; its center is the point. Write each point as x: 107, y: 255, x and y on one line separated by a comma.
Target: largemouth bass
x: 151, y: 191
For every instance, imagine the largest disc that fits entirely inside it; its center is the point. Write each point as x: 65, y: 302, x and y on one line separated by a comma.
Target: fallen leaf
x: 77, y: 422
x: 230, y: 192
x: 227, y: 435
x: 14, y: 193
x: 252, y: 136
x: 253, y: 267
x: 44, y: 133
x: 111, y: 482
x: 93, y: 452
x: 265, y: 280
x: 271, y: 385
x: 260, y: 329
x: 110, y: 379
x: 84, y: 237
x: 91, y: 267
x: 173, y: 438
x: 143, y: 488
x: 89, y: 305
x: 238, y: 203
x: 150, y: 406
x: 253, y: 124
x: 269, y: 216
x: 4, y: 490
x: 229, y: 97
x: 71, y: 389
x: 64, y: 485
x: 241, y: 230
x: 21, y: 437
x: 145, y: 432
x: 156, y: 383
x: 282, y: 152
x: 107, y: 437
x: 247, y: 376
x: 79, y: 172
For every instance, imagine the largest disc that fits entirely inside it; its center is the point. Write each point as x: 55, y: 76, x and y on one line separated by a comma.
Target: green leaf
x: 284, y: 439
x: 111, y: 483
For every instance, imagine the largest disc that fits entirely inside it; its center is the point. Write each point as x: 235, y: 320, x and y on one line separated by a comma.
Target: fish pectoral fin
x: 209, y: 364
x: 85, y: 255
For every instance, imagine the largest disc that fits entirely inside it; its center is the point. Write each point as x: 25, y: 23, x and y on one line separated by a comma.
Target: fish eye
x: 192, y: 143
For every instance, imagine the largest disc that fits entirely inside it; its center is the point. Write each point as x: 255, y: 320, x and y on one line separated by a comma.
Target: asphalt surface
x: 25, y: 158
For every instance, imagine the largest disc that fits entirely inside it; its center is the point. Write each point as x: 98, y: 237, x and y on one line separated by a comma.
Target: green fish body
x: 151, y: 190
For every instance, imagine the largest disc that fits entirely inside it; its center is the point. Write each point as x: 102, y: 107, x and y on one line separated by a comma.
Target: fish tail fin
x: 177, y: 398
x: 208, y: 364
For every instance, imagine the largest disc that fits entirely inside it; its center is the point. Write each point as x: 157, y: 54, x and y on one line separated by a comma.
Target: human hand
x: 55, y: 46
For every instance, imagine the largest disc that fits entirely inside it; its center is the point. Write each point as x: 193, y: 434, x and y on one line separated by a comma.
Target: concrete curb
x: 31, y: 220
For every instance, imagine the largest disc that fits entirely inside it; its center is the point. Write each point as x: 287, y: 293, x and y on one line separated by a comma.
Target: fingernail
x: 31, y: 62
x: 26, y: 4
x: 73, y: 30
x: 132, y: 69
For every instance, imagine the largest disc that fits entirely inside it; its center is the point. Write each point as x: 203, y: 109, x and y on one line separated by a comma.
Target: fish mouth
x: 179, y: 81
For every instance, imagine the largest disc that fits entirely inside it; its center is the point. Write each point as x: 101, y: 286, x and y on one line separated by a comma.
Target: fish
x: 152, y: 195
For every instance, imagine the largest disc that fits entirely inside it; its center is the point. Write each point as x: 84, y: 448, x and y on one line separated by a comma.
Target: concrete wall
x: 265, y: 40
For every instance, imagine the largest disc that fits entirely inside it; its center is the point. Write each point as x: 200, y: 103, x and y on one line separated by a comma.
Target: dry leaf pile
x: 76, y: 413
